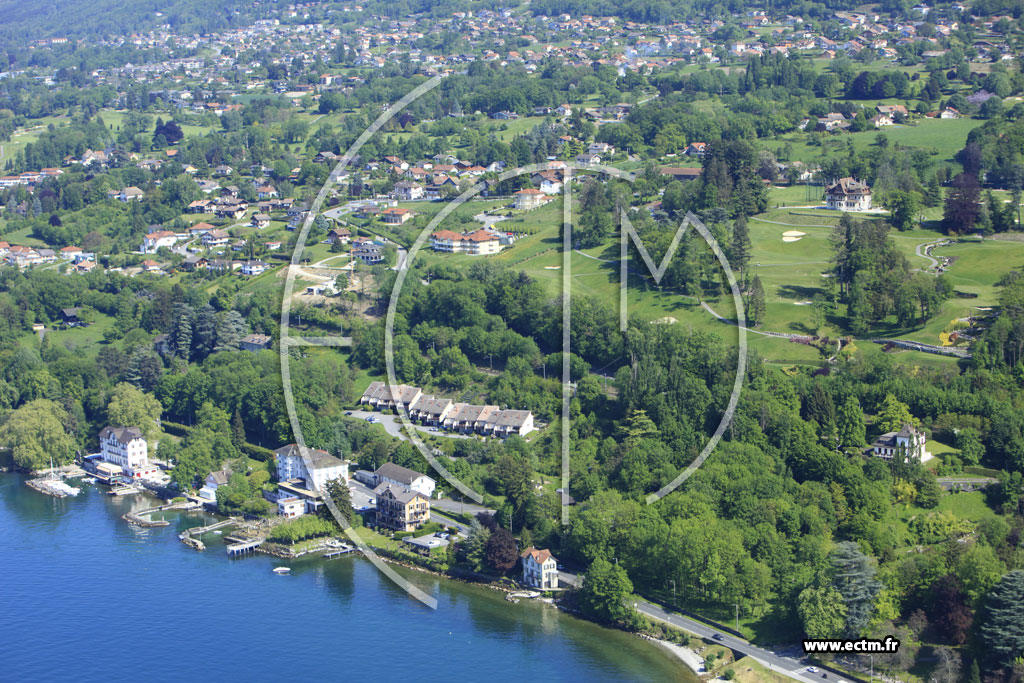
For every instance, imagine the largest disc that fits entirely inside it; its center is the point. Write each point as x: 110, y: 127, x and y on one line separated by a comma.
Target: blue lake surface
x: 86, y: 597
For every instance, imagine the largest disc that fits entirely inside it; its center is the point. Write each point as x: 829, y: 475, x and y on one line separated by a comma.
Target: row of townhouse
x: 466, y: 418
x: 477, y: 242
x: 29, y: 178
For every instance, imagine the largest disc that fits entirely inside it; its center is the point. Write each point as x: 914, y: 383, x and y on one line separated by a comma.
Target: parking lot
x: 393, y: 425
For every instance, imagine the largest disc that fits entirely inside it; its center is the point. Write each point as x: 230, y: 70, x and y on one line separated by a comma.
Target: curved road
x: 785, y: 665
x: 924, y: 245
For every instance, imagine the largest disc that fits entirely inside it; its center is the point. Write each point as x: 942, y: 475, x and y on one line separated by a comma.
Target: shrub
x: 300, y: 529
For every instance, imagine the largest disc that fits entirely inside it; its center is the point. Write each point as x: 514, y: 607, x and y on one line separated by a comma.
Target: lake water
x: 87, y: 597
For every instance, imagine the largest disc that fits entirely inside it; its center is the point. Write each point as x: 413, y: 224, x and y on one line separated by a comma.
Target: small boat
x: 90, y: 480
x: 282, y: 570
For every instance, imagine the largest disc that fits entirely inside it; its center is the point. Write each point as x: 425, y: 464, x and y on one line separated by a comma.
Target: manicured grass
x: 944, y: 137
x: 970, y: 506
x: 88, y: 339
x: 22, y: 237
x: 937, y: 448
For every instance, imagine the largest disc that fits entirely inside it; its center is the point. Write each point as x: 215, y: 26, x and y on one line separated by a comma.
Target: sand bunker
x: 667, y: 320
x: 552, y: 267
x: 789, y: 238
x: 793, y: 233
x: 802, y: 303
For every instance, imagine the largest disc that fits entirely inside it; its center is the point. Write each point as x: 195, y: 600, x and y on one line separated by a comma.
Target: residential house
x: 429, y: 410
x: 131, y: 194
x: 696, y: 149
x: 540, y: 569
x: 425, y: 545
x: 467, y: 418
x: 291, y: 506
x: 22, y: 256
x: 408, y: 191
x: 200, y: 229
x: 339, y: 236
x: 316, y: 469
x: 848, y: 194
x: 157, y: 240
x: 380, y: 396
x: 124, y: 446
x: 528, y: 199
x: 478, y: 242
x: 509, y: 422
x: 254, y: 267
x: 401, y: 509
x: 260, y: 220
x: 390, y: 473
x: 69, y: 316
x: 907, y: 443
x: 255, y: 342
x: 681, y: 173
x: 213, y: 481
x: 368, y: 252
x: 215, y: 238
x: 394, y: 216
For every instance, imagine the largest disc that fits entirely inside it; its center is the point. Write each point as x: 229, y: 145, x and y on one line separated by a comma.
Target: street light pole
x: 673, y: 591
x: 737, y: 616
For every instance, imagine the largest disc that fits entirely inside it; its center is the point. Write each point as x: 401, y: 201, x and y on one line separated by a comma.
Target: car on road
x: 433, y: 429
x: 348, y: 412
x: 812, y: 669
x: 717, y: 636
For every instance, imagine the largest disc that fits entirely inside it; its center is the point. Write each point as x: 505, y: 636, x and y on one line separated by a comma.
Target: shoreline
x: 684, y: 656
x: 687, y: 656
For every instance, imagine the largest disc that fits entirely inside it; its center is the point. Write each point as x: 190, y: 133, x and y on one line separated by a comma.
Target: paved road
x: 792, y: 667
x: 449, y: 505
x: 393, y: 425
x: 363, y: 494
x: 441, y: 517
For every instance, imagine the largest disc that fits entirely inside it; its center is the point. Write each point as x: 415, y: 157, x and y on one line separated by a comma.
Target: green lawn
x: 945, y: 137
x: 88, y: 339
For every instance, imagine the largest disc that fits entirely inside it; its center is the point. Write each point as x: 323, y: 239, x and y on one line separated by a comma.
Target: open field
x: 944, y: 136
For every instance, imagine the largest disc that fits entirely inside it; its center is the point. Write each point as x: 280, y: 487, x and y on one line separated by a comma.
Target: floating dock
x: 344, y: 550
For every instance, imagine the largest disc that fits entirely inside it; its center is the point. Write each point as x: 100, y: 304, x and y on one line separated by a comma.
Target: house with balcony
x: 540, y: 569
x: 315, y: 470
x: 400, y: 508
x: 528, y: 199
x: 125, y: 447
x: 848, y: 194
x: 908, y: 443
